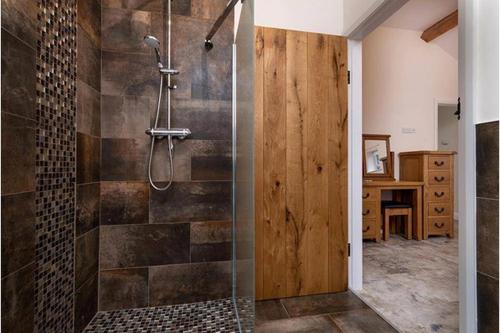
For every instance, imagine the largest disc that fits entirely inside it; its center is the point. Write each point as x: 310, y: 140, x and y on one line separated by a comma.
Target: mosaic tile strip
x: 210, y: 316
x: 55, y: 165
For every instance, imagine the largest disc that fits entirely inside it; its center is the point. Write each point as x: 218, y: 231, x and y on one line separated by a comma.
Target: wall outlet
x: 407, y: 130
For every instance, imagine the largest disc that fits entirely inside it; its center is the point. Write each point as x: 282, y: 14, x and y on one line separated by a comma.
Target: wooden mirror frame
x: 389, y: 173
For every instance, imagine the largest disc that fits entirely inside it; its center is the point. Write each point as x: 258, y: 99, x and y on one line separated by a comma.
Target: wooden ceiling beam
x: 440, y: 27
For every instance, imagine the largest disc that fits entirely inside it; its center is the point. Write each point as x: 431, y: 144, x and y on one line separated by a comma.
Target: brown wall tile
x: 18, y: 231
x: 203, y: 75
x: 123, y: 289
x: 17, y: 301
x: 487, y: 160
x: 211, y: 168
x: 125, y: 116
x: 89, y: 18
x: 86, y: 256
x: 87, y: 207
x: 188, y: 283
x: 124, y: 159
x: 207, y: 121
x: 19, y: 17
x: 18, y: 77
x: 487, y: 236
x: 88, y: 109
x: 18, y: 154
x: 129, y: 74
x: 144, y: 245
x: 124, y: 203
x: 124, y: 30
x: 192, y: 201
x: 208, y: 9
x: 487, y: 304
x: 146, y: 5
x: 86, y: 303
x: 88, y: 60
x: 211, y: 241
x: 88, y: 151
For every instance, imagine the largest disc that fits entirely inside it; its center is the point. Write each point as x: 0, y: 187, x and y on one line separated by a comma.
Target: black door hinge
x: 458, y: 113
x: 348, y: 77
x: 348, y: 249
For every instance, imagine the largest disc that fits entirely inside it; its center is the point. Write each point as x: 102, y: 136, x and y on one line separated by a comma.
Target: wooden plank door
x: 300, y: 163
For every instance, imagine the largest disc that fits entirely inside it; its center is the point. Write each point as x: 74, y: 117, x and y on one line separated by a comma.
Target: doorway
x: 409, y: 119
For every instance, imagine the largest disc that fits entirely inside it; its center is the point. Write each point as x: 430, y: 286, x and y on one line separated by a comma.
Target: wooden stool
x: 395, y: 208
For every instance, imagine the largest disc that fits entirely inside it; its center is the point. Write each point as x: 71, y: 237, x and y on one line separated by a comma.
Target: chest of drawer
x: 369, y: 228
x: 369, y: 194
x: 440, y: 209
x: 439, y: 177
x: 438, y: 194
x: 370, y: 209
x: 439, y: 225
x: 439, y: 162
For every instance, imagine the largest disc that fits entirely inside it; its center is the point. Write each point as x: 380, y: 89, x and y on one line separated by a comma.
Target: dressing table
x: 378, y: 176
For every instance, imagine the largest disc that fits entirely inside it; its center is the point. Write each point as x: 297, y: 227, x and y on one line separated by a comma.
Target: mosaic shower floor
x: 211, y: 316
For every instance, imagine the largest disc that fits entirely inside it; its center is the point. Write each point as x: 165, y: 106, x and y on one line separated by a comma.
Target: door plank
x: 316, y: 195
x: 296, y: 98
x: 259, y: 160
x: 274, y: 131
x: 338, y: 163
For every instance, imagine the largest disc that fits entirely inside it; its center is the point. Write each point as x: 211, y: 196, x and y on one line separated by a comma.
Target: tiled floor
x: 342, y: 312
x: 414, y: 285
x: 212, y: 316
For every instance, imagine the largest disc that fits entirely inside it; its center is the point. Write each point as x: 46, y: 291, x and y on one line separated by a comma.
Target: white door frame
x: 466, y: 162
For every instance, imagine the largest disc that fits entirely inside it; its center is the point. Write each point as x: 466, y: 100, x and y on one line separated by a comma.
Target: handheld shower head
x: 154, y: 43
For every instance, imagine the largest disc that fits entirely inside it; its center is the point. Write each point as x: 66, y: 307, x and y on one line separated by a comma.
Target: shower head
x: 154, y: 43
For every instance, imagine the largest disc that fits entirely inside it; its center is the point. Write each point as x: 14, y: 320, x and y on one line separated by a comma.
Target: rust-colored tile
x: 18, y: 231
x: 123, y: 289
x: 143, y: 245
x: 124, y: 203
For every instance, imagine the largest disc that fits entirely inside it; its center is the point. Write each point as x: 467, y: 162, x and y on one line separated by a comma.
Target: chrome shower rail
x: 229, y: 7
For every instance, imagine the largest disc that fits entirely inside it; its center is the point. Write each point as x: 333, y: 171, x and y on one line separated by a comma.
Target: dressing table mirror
x: 377, y: 158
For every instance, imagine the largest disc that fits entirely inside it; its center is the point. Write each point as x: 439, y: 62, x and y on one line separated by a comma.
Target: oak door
x: 300, y: 163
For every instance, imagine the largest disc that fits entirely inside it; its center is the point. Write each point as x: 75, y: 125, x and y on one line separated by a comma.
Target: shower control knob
x: 172, y: 87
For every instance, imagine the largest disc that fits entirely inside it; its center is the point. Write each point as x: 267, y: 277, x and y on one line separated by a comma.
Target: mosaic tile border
x: 55, y: 165
x: 210, y: 316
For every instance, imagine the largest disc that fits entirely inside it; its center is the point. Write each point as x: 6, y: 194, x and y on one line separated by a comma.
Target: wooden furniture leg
x: 409, y: 223
x: 387, y: 223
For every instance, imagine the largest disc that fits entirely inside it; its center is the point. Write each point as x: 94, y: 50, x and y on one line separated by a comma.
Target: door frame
x: 466, y: 157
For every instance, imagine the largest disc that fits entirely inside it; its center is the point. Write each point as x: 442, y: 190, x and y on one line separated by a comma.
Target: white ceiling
x: 421, y: 14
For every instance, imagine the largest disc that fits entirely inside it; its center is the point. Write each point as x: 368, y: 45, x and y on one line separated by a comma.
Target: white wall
x: 356, y: 11
x: 321, y: 16
x: 486, y: 60
x: 402, y: 78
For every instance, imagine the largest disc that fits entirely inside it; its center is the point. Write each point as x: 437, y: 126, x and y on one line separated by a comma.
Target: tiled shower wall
x: 167, y: 247
x: 47, y: 286
x: 19, y: 43
x: 487, y: 226
x: 88, y: 125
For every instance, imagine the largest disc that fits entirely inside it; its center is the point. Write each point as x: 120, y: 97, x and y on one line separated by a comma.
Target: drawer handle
x: 367, y: 228
x: 439, y: 225
x: 439, y: 163
x: 439, y: 195
x: 366, y: 212
x: 366, y: 196
x: 439, y: 179
x: 439, y: 210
